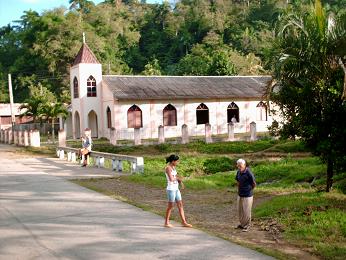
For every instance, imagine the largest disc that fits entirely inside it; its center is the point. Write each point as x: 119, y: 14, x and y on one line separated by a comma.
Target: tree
x: 39, y: 96
x: 82, y: 6
x: 308, y: 58
x: 152, y: 68
x: 51, y: 111
x: 203, y: 61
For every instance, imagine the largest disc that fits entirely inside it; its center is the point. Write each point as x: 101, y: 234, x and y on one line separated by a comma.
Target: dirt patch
x: 213, y: 211
x: 14, y: 152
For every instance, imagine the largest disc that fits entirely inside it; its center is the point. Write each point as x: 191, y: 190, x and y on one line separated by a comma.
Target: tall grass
x: 315, y: 220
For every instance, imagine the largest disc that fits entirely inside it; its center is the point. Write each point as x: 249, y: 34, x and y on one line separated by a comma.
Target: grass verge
x: 313, y: 220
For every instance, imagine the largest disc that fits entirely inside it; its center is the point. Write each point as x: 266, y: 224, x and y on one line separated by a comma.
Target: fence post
x: 208, y: 133
x: 100, y: 162
x: 6, y: 136
x: 137, y: 136
x: 113, y: 136
x: 253, y: 131
x: 62, y: 137
x: 139, y: 165
x: 184, y: 134
x: 35, y: 138
x: 10, y: 134
x: 1, y: 135
x: 15, y: 137
x: 161, y: 134
x: 20, y: 137
x: 230, y: 127
x: 69, y: 156
x: 61, y: 154
x: 120, y: 166
x: 26, y: 138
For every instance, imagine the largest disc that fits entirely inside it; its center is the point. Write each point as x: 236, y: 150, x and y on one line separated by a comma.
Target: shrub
x: 219, y: 164
x: 341, y: 185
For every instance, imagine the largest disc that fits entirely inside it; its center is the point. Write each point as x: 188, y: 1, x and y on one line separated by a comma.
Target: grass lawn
x: 313, y: 220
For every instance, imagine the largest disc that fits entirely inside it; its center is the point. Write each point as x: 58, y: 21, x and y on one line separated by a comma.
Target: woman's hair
x: 241, y: 162
x: 172, y: 158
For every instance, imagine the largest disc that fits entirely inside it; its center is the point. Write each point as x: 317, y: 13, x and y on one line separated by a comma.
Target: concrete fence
x: 136, y: 163
x: 185, y: 137
x: 20, y: 138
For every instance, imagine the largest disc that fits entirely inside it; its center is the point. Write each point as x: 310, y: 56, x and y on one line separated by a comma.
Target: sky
x: 11, y: 10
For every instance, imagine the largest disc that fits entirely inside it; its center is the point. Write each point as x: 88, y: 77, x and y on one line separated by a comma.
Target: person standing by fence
x: 246, y: 184
x: 173, y: 192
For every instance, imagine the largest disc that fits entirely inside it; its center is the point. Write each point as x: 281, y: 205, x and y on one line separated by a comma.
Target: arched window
x: 261, y: 111
x: 75, y: 88
x: 109, y: 118
x: 169, y: 115
x: 134, y: 117
x: 91, y: 87
x: 233, y: 113
x: 202, y: 114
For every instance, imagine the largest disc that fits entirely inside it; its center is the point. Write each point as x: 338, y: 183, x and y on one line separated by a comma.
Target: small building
x: 101, y: 102
x: 6, y: 118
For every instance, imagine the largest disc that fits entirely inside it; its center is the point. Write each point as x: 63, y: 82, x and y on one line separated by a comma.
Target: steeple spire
x: 85, y: 55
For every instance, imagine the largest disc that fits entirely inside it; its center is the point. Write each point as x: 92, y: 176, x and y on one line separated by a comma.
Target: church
x: 104, y: 102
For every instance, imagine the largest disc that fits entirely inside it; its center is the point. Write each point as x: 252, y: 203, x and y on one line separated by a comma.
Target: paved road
x: 44, y: 216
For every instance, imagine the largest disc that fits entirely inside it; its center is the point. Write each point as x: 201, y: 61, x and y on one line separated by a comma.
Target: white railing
x: 136, y: 163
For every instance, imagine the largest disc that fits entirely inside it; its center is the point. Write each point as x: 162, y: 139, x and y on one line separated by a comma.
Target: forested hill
x: 187, y: 37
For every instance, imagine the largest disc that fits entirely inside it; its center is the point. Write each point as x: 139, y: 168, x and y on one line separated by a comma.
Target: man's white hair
x: 241, y: 161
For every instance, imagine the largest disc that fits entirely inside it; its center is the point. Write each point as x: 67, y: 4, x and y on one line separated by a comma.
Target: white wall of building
x: 152, y: 117
x: 84, y: 105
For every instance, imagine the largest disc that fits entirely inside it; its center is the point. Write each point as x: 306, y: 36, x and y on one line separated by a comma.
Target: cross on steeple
x: 83, y: 37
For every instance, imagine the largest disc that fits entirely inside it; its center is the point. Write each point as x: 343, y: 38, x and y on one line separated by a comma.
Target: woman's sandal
x: 186, y: 225
x: 168, y: 225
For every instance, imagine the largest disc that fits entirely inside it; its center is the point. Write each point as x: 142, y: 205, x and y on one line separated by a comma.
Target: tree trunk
x: 343, y: 97
x: 329, y: 174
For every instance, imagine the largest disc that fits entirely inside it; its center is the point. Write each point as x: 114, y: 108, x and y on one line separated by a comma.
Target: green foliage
x: 218, y: 164
x: 191, y: 38
x: 340, y: 182
x: 196, y: 146
x: 231, y: 147
x: 289, y: 146
x: 307, y: 62
x: 219, y: 180
x: 152, y: 68
x: 317, y: 221
x: 288, y: 172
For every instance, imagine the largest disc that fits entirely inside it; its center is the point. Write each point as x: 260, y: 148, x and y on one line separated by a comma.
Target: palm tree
x: 308, y: 60
x: 80, y: 5
x: 33, y: 107
x: 51, y: 111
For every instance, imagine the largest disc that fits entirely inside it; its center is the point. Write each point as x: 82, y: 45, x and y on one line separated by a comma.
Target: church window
x: 134, y: 117
x: 109, y: 118
x: 75, y: 88
x: 261, y: 112
x: 232, y: 113
x: 169, y: 116
x: 202, y: 114
x: 91, y: 87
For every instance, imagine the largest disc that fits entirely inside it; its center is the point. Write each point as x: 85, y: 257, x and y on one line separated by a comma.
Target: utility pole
x: 13, y: 118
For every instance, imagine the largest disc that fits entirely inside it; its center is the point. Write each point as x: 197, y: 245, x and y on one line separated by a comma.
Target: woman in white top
x: 173, y: 192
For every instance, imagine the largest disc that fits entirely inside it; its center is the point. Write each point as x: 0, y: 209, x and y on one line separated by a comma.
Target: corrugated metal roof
x: 185, y: 87
x: 5, y: 109
x: 85, y: 55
